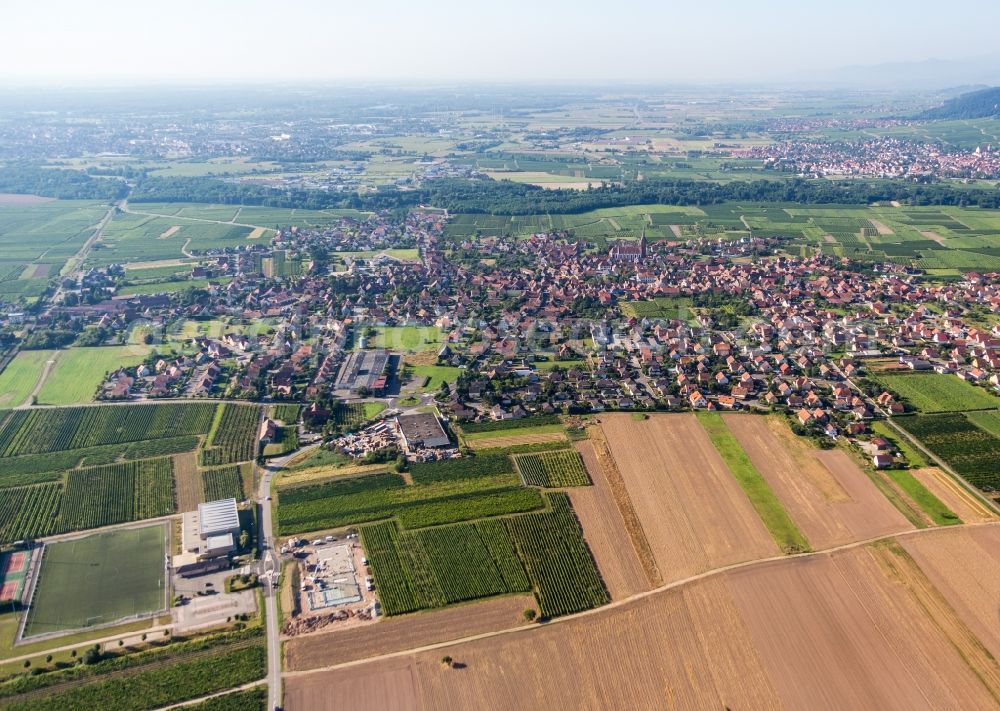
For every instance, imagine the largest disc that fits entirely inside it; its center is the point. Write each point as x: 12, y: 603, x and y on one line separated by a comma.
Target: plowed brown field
x: 604, y: 530
x: 826, y: 494
x: 694, y: 513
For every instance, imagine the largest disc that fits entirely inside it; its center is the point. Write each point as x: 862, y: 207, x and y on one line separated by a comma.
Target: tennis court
x: 99, y: 579
x: 13, y: 567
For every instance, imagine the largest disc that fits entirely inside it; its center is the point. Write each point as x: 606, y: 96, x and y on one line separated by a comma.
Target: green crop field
x: 29, y: 511
x: 149, y: 427
x: 161, y: 680
x: 445, y: 499
x: 99, y: 579
x: 514, y: 431
x: 349, y: 416
x: 18, y: 379
x: 47, y: 233
x: 542, y: 552
x: 141, y: 238
x: 79, y: 371
x: 931, y: 392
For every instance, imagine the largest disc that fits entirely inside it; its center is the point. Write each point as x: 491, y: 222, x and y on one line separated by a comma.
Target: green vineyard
x: 29, y: 511
x: 553, y: 469
x: 233, y: 437
x: 69, y: 428
x: 223, y: 483
x: 559, y: 563
x: 117, y: 493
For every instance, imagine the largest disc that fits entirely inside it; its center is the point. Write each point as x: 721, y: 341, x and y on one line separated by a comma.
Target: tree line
x: 486, y: 196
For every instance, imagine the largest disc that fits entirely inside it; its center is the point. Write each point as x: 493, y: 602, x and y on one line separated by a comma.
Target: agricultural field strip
x: 138, y: 669
x: 673, y: 585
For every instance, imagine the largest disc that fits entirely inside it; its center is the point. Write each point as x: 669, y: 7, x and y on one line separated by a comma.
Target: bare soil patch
x: 964, y: 564
x: 604, y: 529
x: 693, y: 511
x: 829, y: 239
x: 169, y: 232
x: 676, y: 229
x: 257, y: 233
x: 882, y: 228
x: 966, y: 506
x: 933, y: 236
x: 515, y: 440
x: 826, y: 494
x: 839, y: 632
x: 187, y: 482
x: 13, y: 199
x: 394, y: 634
x: 156, y: 263
x: 38, y: 271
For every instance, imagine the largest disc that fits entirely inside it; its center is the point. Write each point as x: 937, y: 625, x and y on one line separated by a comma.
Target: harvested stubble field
x: 693, y: 512
x: 604, y: 530
x: 965, y: 505
x: 858, y: 628
x: 965, y: 567
x: 826, y: 494
x: 394, y: 634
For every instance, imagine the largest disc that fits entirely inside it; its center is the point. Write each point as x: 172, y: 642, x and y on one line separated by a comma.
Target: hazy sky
x: 539, y: 40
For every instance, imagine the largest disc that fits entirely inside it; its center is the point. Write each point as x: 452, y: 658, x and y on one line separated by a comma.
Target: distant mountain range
x: 933, y: 74
x: 975, y: 104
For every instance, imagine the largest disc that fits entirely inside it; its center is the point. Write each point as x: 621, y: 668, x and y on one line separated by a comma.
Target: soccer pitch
x: 99, y: 579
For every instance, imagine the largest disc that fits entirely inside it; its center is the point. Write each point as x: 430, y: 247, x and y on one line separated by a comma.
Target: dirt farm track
x: 861, y: 627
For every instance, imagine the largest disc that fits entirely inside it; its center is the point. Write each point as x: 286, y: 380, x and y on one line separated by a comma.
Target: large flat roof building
x: 210, y: 532
x: 421, y: 430
x: 370, y: 369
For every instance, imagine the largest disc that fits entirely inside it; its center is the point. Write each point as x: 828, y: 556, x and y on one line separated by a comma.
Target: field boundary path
x: 674, y: 585
x: 217, y: 694
x: 41, y: 380
x: 130, y: 211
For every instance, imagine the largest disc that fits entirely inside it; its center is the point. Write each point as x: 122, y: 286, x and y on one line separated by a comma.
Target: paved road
x: 269, y: 568
x: 270, y: 565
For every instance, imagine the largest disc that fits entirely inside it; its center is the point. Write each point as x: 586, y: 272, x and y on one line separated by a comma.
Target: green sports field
x: 99, y: 579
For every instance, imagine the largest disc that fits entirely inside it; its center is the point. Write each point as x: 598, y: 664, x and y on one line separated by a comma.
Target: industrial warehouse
x: 366, y: 369
x: 421, y: 431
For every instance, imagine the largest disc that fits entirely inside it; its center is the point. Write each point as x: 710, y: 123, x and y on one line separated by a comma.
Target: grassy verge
x: 932, y: 505
x: 765, y: 503
x: 914, y: 457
